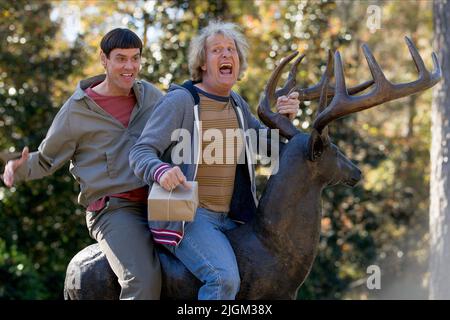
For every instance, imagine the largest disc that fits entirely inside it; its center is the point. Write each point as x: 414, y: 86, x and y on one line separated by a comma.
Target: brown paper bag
x: 180, y: 204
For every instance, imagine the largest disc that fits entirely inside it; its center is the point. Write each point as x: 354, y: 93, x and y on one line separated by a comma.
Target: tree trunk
x: 440, y: 167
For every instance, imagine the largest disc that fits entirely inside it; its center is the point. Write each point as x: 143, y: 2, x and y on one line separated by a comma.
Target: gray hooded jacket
x: 95, y: 143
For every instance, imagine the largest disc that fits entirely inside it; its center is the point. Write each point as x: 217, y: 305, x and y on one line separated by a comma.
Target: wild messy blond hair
x: 197, y: 48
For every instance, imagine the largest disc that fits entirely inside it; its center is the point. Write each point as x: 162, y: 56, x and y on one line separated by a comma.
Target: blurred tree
x: 41, y: 227
x: 393, y: 212
x: 440, y: 169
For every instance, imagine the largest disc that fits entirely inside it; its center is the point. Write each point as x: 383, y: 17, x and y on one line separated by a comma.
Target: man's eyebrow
x: 124, y: 56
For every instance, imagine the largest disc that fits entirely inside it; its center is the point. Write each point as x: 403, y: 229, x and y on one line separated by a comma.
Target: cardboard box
x: 179, y: 205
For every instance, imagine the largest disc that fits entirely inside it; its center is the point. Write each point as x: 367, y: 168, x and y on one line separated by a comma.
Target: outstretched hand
x: 12, y: 166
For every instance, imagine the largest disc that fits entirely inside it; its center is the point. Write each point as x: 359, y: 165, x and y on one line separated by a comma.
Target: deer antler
x: 278, y: 121
x: 344, y: 104
x: 314, y: 92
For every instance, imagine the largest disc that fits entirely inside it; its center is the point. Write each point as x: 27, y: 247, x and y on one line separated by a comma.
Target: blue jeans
x: 207, y: 253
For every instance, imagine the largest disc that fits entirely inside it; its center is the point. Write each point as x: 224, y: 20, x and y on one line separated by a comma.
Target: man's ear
x: 103, y: 58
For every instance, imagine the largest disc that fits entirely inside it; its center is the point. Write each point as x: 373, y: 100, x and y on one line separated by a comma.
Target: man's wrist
x: 159, y: 172
x: 22, y: 172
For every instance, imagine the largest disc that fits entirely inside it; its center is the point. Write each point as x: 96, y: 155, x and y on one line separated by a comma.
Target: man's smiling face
x: 122, y: 68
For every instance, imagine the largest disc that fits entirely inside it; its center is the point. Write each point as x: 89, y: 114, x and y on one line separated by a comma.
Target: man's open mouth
x: 226, y: 68
x: 128, y: 75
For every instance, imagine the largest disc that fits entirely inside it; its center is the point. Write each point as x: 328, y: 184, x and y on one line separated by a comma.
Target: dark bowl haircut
x: 120, y: 38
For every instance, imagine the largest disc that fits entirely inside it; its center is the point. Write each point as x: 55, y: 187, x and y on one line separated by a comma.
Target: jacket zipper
x: 248, y: 152
x: 197, y: 126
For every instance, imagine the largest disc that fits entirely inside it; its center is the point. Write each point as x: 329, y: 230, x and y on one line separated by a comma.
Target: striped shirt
x: 221, y: 147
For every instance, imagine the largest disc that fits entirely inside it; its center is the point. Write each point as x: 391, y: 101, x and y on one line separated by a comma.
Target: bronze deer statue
x: 276, y: 250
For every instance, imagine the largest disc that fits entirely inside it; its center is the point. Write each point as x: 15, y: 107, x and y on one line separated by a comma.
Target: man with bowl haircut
x: 95, y: 130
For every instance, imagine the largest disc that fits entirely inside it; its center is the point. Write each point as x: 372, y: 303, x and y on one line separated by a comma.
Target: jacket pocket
x: 110, y: 165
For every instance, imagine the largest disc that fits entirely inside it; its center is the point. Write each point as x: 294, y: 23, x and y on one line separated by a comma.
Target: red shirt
x: 120, y: 107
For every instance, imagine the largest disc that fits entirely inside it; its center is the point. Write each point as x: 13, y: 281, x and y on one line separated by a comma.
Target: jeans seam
x: 219, y: 280
x: 200, y: 253
x: 207, y: 262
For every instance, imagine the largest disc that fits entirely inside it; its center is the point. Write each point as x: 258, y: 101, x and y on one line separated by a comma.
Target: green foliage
x: 40, y: 222
x: 19, y: 278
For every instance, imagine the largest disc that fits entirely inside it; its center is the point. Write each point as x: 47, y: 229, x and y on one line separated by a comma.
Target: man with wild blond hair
x: 227, y: 189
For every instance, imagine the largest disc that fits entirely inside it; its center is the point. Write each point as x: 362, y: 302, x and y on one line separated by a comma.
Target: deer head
x: 332, y: 165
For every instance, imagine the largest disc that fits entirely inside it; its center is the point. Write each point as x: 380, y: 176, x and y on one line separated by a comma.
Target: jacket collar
x: 188, y: 86
x: 86, y: 83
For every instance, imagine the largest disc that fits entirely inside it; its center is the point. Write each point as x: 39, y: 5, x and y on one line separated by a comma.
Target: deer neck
x: 289, y: 212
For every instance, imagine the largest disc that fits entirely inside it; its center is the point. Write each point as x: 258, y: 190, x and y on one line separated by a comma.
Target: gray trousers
x: 122, y: 232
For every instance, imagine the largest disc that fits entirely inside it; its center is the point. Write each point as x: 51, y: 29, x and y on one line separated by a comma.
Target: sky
x: 70, y: 13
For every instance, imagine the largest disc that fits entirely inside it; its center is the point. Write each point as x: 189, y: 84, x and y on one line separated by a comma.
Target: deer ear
x: 317, y: 144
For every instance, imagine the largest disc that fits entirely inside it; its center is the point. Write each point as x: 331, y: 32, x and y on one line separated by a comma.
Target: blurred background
x: 46, y: 47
